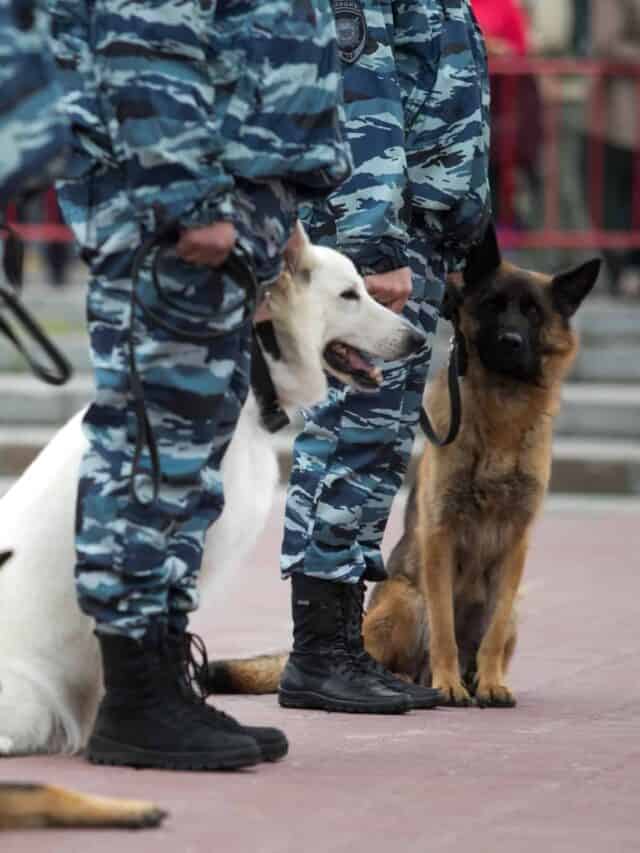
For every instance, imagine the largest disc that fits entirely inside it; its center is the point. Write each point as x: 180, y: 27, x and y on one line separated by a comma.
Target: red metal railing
x: 548, y: 75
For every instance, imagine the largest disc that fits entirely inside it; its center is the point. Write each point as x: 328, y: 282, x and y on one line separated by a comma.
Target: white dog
x: 50, y: 673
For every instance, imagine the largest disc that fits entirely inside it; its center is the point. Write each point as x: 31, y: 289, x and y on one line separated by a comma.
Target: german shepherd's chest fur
x: 446, y: 616
x: 491, y: 488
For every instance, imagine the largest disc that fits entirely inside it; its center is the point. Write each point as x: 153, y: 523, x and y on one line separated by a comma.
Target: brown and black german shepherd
x: 28, y: 806
x: 446, y: 615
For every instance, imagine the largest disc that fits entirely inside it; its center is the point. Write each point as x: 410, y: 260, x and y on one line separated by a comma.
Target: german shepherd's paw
x: 494, y: 696
x: 454, y: 693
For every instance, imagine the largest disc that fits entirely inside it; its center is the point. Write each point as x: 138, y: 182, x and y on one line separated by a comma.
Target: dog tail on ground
x: 259, y: 674
x: 25, y: 806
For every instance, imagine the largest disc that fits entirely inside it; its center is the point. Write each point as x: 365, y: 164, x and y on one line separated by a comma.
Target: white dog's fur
x: 50, y: 673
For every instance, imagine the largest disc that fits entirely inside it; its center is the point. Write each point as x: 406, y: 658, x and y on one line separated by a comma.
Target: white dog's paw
x: 6, y: 745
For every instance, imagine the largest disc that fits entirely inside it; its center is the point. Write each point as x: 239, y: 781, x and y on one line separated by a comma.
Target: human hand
x: 391, y: 289
x: 207, y: 246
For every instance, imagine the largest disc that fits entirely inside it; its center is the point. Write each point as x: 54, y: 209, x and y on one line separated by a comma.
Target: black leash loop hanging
x: 237, y: 266
x: 455, y: 403
x: 25, y: 327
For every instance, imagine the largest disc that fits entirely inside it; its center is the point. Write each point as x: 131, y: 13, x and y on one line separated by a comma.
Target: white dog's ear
x: 298, y: 253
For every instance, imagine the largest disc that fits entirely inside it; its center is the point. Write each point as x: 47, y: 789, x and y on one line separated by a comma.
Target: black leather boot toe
x: 145, y: 719
x: 190, y: 657
x: 322, y: 673
x: 421, y: 698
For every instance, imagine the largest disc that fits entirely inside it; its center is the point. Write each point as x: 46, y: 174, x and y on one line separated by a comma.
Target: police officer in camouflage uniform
x: 197, y: 129
x: 416, y: 98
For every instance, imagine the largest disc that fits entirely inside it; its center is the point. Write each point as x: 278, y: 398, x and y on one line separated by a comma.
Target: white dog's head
x: 324, y: 319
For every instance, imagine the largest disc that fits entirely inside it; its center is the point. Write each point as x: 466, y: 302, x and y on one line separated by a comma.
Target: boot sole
x: 320, y: 702
x: 104, y: 751
x: 273, y: 751
x: 425, y: 704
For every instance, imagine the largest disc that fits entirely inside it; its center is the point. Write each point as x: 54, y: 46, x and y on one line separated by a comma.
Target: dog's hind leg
x: 394, y: 628
x: 28, y: 723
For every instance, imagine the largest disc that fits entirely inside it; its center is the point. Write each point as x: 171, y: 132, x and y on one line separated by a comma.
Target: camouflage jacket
x: 416, y: 100
x: 32, y: 132
x: 175, y: 101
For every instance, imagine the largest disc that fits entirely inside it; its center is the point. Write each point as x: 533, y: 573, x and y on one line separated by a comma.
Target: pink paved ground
x: 559, y: 773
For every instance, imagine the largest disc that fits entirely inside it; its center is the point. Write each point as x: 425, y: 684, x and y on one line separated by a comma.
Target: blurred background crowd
x: 566, y: 129
x: 565, y: 165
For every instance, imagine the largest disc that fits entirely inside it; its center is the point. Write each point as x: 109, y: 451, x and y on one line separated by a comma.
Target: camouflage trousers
x: 137, y: 561
x: 351, y: 457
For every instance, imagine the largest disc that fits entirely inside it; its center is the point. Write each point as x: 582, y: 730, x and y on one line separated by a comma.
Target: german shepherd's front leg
x: 437, y: 572
x: 493, y: 653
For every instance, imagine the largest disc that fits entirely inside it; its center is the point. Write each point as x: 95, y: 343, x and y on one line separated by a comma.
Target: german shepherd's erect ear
x: 481, y: 262
x: 568, y: 289
x: 484, y: 259
x: 4, y: 556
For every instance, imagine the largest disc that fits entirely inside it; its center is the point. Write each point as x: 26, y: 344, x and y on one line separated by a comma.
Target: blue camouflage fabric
x: 416, y: 99
x: 33, y: 133
x: 184, y: 114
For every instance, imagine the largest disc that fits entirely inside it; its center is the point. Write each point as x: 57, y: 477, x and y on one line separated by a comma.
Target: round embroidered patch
x: 351, y: 29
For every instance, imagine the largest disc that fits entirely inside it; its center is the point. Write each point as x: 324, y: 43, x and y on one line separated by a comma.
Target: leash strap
x: 273, y: 417
x: 455, y: 402
x: 236, y: 265
x: 58, y: 371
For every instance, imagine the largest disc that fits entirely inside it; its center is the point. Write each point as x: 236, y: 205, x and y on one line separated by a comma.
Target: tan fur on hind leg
x: 394, y: 628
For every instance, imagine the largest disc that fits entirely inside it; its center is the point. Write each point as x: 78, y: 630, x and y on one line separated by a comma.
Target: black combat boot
x: 420, y: 697
x: 190, y: 657
x: 146, y: 720
x: 321, y: 671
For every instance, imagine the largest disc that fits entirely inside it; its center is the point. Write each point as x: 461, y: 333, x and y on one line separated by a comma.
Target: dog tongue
x: 359, y: 364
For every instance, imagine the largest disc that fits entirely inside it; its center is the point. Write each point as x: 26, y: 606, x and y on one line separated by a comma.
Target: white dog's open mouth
x: 349, y: 361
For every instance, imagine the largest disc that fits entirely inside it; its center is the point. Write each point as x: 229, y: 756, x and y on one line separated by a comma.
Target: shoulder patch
x: 351, y: 29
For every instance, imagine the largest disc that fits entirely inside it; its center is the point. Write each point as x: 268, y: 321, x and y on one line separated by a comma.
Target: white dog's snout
x: 407, y: 340
x: 416, y: 340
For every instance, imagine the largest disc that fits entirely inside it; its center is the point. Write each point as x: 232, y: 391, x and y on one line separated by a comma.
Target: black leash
x: 236, y: 266
x: 58, y: 371
x: 272, y: 415
x: 456, y: 369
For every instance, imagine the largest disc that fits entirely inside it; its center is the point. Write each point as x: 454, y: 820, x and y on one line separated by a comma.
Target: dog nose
x: 511, y: 340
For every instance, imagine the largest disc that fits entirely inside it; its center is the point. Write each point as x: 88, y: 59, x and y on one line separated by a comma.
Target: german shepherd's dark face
x: 516, y: 320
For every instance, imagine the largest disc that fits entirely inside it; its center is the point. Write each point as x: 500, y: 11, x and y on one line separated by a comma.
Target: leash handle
x: 58, y: 371
x: 455, y: 402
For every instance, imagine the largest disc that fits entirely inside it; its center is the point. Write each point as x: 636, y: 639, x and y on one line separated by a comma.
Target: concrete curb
x: 580, y: 466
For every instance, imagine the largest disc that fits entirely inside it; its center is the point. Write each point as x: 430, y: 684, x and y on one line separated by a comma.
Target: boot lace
x: 349, y: 645
x: 193, y: 674
x: 354, y: 632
